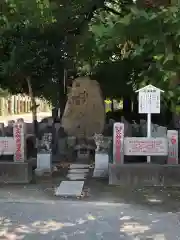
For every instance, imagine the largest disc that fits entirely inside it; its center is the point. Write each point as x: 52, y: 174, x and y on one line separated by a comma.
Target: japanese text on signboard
x: 145, y: 146
x: 149, y: 101
x: 118, y: 131
x: 18, y: 153
x: 118, y: 142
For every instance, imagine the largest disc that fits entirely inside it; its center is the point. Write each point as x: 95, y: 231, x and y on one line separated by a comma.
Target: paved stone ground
x: 80, y: 220
x: 32, y: 212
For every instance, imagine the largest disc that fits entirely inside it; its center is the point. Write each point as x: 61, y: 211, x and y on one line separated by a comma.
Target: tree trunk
x: 62, y: 93
x: 127, y: 105
x: 59, y: 104
x: 33, y: 107
x: 112, y: 105
x: 135, y: 105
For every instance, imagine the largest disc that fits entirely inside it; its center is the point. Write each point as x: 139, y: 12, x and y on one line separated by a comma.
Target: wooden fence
x: 17, y: 104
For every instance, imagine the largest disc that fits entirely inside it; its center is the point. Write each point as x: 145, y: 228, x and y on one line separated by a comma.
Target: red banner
x: 17, y: 138
x: 118, y: 142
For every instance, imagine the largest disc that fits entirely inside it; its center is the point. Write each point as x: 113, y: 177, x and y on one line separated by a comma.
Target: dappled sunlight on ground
x: 14, y: 231
x: 86, y: 220
x: 10, y: 230
x: 132, y: 228
x: 77, y: 220
x: 154, y: 200
x: 140, y: 231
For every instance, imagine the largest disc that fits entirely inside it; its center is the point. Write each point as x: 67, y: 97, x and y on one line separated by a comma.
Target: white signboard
x: 172, y: 136
x: 149, y: 99
x: 118, y: 142
x: 145, y: 146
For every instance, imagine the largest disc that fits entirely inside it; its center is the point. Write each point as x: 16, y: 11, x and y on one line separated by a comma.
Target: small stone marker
x: 127, y: 127
x: 69, y: 189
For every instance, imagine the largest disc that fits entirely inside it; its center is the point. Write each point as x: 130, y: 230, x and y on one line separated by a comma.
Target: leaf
x: 171, y: 94
x: 135, y: 11
x: 90, y: 217
x: 158, y: 57
x: 138, y: 51
x: 174, y: 9
x: 126, y: 20
x: 169, y: 57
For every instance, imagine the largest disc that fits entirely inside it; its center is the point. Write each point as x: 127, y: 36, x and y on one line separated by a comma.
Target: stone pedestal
x: 144, y: 175
x: 44, y: 164
x: 101, y: 165
x: 14, y: 172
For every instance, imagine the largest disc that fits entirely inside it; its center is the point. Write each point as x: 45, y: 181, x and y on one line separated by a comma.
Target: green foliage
x: 31, y: 46
x: 100, y: 53
x: 39, y: 38
x: 24, y: 13
x: 148, y: 40
x: 122, y: 46
x: 156, y: 41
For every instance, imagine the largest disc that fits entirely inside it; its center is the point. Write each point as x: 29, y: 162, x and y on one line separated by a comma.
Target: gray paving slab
x: 69, y: 188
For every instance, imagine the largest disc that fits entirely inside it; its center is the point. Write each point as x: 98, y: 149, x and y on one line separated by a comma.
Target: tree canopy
x: 124, y: 44
x: 145, y: 39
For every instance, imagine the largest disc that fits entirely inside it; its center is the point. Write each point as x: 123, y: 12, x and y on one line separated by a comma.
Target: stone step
x: 76, y: 176
x: 78, y: 170
x: 79, y: 166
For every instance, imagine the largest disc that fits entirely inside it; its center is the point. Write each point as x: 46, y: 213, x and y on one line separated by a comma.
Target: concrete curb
x: 73, y: 202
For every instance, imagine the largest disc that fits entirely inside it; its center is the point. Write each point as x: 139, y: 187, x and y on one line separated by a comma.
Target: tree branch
x: 108, y: 9
x: 87, y: 15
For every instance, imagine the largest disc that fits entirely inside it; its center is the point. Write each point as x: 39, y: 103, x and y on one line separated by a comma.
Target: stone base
x: 13, y: 172
x: 144, y: 174
x: 101, y: 165
x: 44, y: 161
x: 39, y: 172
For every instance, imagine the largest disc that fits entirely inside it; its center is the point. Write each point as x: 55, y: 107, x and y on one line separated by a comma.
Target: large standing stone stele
x: 84, y: 113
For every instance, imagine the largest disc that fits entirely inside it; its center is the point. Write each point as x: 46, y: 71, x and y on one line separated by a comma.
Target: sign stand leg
x: 149, y: 132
